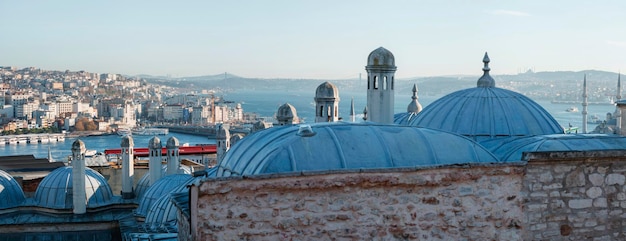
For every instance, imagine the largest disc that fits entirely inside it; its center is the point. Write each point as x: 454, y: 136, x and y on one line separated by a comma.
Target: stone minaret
x: 173, y: 156
x: 223, y: 141
x: 287, y: 115
x: 128, y: 167
x: 155, y: 156
x: 79, y: 197
x: 618, y: 97
x: 381, y: 68
x: 618, y: 112
x: 414, y: 106
x: 352, y: 113
x: 326, y: 103
x: 585, y: 104
x: 365, y: 113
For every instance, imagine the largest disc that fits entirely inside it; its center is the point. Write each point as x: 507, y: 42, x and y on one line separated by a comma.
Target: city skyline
x: 322, y: 39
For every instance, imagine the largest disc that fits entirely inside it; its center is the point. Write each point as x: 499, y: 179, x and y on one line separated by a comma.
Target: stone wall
x: 575, y: 196
x: 452, y: 203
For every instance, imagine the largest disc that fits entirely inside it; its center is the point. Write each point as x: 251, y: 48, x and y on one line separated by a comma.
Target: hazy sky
x: 312, y: 39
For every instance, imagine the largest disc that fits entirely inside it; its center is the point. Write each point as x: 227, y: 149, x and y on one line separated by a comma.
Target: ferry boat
x: 150, y: 131
x: 572, y: 109
x: 123, y: 132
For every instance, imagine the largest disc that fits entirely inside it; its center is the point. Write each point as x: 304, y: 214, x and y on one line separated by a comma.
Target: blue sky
x: 312, y: 39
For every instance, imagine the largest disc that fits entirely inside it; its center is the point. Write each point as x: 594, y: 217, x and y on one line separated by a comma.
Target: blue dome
x: 163, y: 210
x: 55, y: 190
x: 484, y: 113
x: 341, y: 146
x: 161, y: 188
x: 512, y: 149
x: 10, y: 192
x: 144, y: 182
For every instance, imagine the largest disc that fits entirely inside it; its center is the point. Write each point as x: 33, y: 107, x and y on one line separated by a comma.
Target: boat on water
x: 572, y: 109
x: 594, y: 119
x: 123, y: 132
x: 150, y: 131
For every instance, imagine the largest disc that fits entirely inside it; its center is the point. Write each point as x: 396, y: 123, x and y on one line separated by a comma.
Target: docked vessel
x: 572, y: 109
x: 150, y: 131
x: 123, y: 132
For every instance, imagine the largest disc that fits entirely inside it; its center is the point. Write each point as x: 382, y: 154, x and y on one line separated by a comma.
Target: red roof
x: 183, y: 150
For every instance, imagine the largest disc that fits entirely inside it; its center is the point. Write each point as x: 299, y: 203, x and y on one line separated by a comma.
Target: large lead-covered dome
x: 343, y: 146
x: 11, y: 195
x: 487, y: 112
x: 55, y: 190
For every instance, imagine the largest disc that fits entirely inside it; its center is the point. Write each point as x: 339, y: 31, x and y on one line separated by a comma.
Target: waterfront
x: 61, y: 150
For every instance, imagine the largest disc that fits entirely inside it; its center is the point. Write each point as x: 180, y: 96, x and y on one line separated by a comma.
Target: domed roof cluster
x: 336, y: 146
x: 11, y: 195
x: 381, y: 57
x: 55, y: 190
x: 326, y: 90
x: 144, y: 182
x: 487, y: 112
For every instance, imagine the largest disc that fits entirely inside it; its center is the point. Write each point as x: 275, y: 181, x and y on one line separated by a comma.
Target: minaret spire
x: 414, y: 106
x: 585, y: 103
x: 619, y: 88
x: 352, y: 113
x: 486, y: 80
x: 365, y: 114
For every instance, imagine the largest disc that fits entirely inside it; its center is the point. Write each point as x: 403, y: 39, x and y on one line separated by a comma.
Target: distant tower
x: 414, y: 106
x: 327, y: 103
x: 585, y: 104
x: 618, y: 97
x: 173, y: 156
x: 381, y: 68
x: 79, y: 197
x: 223, y: 141
x: 365, y: 113
x: 287, y: 115
x: 155, y: 156
x: 128, y: 168
x: 352, y: 113
x: 486, y: 80
x: 618, y: 112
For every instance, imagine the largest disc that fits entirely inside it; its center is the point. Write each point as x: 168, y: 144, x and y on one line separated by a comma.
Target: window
x: 368, y: 82
x: 375, y: 82
x: 385, y: 83
x: 321, y: 110
x: 392, y: 80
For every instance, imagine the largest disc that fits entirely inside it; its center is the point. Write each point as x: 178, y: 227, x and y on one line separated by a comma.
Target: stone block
x: 464, y: 191
x: 553, y: 186
x: 614, y: 178
x: 596, y: 179
x: 562, y: 169
x: 594, y: 192
x: 546, y: 177
x: 600, y: 203
x: 580, y: 203
x: 575, y: 179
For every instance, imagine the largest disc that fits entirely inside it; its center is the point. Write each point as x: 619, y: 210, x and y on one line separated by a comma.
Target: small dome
x: 55, y: 190
x: 127, y: 141
x: 163, y: 210
x: 381, y: 56
x: 154, y: 143
x: 344, y: 145
x: 260, y: 125
x: 512, y: 149
x: 172, y: 142
x: 286, y: 113
x: 222, y: 133
x: 326, y: 90
x: 161, y: 188
x: 79, y: 146
x: 10, y: 192
x: 144, y: 182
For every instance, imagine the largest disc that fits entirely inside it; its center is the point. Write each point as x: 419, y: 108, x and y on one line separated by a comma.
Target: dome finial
x: 486, y: 80
x: 414, y: 106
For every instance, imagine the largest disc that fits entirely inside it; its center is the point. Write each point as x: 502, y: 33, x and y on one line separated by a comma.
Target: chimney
x: 79, y: 198
x: 155, y: 166
x: 128, y: 167
x: 173, y: 158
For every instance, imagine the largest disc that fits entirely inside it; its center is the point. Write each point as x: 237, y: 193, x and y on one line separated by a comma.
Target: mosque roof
x: 55, y: 190
x: 10, y: 192
x: 161, y: 188
x: 487, y: 112
x: 163, y: 210
x: 144, y: 182
x: 343, y: 145
x: 511, y: 149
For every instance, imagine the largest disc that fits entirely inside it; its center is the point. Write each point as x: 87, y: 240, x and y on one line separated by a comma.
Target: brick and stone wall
x: 575, y: 196
x: 452, y: 203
